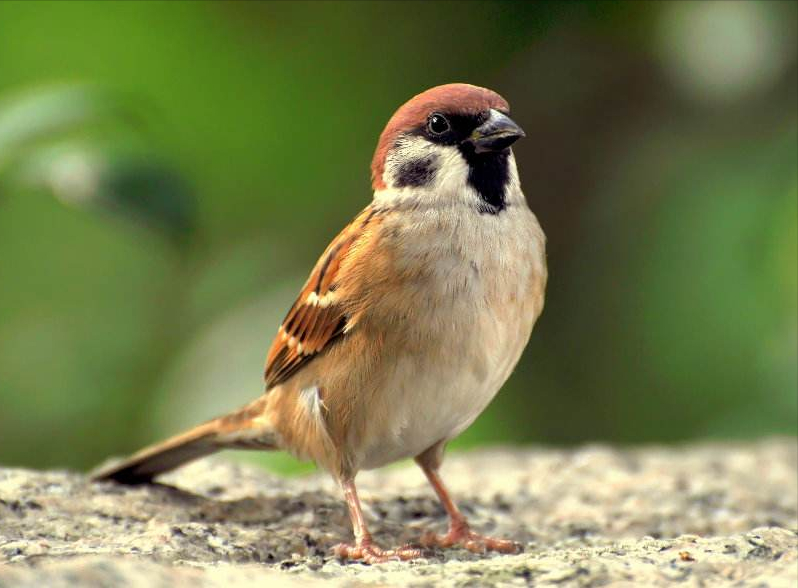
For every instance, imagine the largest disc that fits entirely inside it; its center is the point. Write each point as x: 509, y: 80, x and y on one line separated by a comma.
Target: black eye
x: 437, y: 124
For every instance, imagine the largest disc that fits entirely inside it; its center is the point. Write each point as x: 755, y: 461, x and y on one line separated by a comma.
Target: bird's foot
x: 461, y: 535
x: 367, y: 552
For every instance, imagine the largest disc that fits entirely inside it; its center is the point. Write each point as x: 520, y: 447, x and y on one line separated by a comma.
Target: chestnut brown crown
x: 462, y: 99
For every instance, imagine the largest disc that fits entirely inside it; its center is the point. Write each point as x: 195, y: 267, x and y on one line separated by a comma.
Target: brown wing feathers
x: 318, y: 316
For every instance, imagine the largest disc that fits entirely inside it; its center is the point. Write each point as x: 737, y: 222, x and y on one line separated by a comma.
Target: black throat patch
x: 488, y: 174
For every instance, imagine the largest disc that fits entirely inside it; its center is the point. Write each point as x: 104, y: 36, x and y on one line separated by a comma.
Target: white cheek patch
x: 454, y: 170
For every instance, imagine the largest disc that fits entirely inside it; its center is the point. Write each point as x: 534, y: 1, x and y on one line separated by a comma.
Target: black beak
x: 495, y: 134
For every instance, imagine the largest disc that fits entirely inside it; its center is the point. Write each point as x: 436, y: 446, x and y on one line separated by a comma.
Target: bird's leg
x: 460, y: 533
x: 364, y: 548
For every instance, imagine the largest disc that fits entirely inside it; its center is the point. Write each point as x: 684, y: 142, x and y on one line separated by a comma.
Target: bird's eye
x: 437, y: 124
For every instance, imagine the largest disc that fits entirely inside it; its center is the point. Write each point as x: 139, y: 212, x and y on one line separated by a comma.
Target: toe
x: 475, y: 546
x: 405, y: 553
x: 369, y: 553
x: 502, y: 545
x: 471, y: 541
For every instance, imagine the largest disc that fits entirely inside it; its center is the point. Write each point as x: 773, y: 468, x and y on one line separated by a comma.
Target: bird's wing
x: 320, y: 314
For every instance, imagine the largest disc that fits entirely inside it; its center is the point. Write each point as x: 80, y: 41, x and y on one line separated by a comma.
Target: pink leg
x: 460, y: 532
x: 364, y: 548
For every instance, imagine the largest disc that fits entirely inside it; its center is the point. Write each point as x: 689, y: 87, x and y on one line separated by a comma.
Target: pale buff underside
x: 452, y: 299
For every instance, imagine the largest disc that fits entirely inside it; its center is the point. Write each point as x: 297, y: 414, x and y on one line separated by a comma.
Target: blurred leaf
x: 136, y: 187
x: 153, y: 193
x: 41, y: 114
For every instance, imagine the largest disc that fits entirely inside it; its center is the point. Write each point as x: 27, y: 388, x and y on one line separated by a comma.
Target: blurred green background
x: 169, y: 173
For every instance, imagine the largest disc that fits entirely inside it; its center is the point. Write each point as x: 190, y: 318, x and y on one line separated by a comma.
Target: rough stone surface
x: 704, y: 515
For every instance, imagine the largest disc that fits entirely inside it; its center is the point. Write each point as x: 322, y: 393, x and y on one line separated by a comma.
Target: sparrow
x: 410, y: 322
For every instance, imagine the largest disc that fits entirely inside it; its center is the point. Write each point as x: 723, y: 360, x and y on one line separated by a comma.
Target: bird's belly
x: 434, y: 396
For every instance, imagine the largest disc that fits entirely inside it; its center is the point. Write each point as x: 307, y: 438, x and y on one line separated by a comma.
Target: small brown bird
x: 410, y: 322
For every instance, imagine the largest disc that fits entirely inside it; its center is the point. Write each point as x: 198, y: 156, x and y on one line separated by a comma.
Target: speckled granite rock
x: 705, y: 515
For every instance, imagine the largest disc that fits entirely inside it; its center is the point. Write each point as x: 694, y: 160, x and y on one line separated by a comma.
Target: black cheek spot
x: 417, y: 172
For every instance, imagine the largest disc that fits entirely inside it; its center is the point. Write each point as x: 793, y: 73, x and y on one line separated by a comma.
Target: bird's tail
x: 243, y: 429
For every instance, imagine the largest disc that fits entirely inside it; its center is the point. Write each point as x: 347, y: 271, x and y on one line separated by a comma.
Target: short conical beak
x: 495, y: 134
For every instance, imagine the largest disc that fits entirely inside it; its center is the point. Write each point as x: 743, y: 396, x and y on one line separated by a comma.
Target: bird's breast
x: 466, y: 315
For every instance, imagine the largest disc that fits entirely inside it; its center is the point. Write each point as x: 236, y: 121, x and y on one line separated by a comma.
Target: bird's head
x: 451, y: 141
